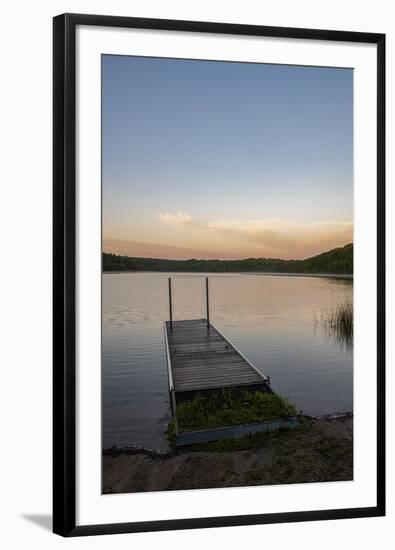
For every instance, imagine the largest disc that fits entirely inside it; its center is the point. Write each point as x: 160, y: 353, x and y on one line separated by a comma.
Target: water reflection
x: 269, y: 318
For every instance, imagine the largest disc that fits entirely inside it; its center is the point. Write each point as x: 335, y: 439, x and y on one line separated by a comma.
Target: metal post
x: 170, y: 306
x: 207, y: 304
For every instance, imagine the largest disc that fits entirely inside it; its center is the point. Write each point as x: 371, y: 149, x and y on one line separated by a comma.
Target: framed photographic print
x: 219, y: 274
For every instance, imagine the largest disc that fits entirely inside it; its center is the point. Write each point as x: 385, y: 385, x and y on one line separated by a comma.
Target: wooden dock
x: 200, y: 358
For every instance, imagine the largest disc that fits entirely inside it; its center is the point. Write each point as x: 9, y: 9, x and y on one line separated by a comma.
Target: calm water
x: 269, y: 318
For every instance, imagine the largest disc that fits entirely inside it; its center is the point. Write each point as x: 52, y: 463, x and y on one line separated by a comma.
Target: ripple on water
x: 270, y: 319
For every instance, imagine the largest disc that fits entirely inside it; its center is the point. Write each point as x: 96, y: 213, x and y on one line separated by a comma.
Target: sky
x: 211, y: 159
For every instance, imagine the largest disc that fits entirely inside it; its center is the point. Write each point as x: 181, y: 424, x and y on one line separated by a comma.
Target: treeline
x: 336, y: 261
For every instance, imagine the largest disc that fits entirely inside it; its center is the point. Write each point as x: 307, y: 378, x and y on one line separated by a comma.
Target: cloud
x: 271, y: 233
x: 272, y: 237
x: 137, y: 249
x: 177, y: 220
x: 286, y: 235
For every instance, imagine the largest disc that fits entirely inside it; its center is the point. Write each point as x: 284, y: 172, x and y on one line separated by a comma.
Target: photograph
x: 196, y: 357
x: 227, y: 274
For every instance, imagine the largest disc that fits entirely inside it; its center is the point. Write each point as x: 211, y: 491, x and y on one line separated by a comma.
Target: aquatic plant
x: 340, y: 322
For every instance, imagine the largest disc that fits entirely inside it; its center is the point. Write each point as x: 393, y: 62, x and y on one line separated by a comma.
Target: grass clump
x: 340, y: 322
x: 171, y: 432
x: 230, y: 408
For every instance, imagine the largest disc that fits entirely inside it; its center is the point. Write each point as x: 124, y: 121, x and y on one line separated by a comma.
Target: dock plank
x: 202, y: 358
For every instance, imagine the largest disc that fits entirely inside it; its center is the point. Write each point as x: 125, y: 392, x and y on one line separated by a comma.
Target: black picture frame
x: 64, y: 272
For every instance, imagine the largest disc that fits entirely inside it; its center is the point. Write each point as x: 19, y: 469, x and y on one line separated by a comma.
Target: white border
x: 92, y: 507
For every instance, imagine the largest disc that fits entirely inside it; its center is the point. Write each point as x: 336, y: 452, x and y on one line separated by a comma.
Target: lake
x: 271, y: 319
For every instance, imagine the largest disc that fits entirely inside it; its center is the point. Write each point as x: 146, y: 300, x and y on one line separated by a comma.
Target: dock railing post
x: 207, y: 304
x: 170, y: 306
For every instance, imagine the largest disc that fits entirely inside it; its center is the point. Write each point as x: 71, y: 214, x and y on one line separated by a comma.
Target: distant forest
x: 336, y: 261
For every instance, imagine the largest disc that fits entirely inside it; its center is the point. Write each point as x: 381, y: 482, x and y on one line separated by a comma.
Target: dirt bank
x: 321, y: 451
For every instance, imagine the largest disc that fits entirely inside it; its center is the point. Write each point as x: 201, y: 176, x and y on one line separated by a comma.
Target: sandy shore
x: 320, y: 451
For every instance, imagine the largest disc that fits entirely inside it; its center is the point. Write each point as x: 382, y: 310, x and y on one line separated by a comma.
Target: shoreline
x: 264, y: 273
x: 135, y: 449
x: 321, y: 450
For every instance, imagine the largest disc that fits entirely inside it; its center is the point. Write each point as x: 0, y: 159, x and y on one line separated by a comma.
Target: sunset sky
x: 225, y: 160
